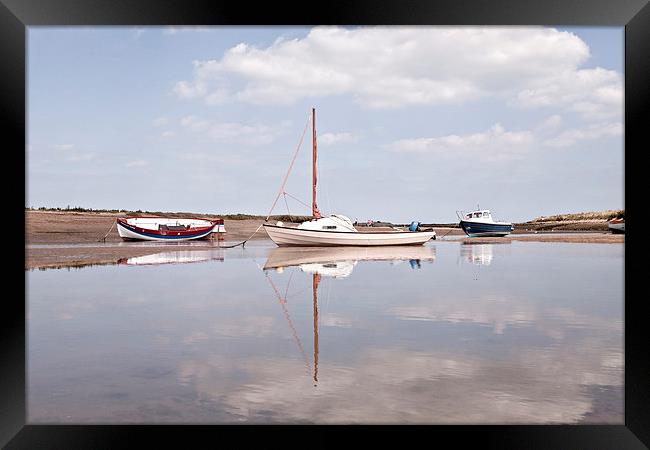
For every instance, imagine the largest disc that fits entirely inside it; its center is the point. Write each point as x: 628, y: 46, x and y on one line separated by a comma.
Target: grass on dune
x: 594, y: 215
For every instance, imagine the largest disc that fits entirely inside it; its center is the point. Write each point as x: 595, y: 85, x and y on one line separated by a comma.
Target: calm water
x: 448, y: 333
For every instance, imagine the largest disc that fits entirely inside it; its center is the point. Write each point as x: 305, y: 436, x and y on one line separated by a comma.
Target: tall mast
x: 314, y: 208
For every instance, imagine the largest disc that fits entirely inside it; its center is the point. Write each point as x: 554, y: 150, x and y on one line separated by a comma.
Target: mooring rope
x: 244, y: 241
x: 448, y: 231
x: 110, y: 229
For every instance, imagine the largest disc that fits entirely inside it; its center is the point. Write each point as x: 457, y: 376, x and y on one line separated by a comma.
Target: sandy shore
x: 72, y: 239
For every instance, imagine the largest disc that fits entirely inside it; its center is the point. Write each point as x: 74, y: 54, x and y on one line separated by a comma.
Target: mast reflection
x: 333, y: 262
x: 315, y: 282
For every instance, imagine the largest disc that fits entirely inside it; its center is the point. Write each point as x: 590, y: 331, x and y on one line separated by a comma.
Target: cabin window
x: 477, y: 214
x: 329, y: 227
x: 485, y: 214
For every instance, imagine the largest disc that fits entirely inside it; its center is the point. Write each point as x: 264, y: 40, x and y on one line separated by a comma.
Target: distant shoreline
x: 72, y: 238
x: 571, y: 222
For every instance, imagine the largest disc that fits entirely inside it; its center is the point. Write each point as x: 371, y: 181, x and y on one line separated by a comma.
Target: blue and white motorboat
x: 480, y: 223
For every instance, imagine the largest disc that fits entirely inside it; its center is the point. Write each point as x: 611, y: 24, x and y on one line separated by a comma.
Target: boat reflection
x: 338, y: 262
x: 178, y: 257
x: 478, y: 254
x: 334, y: 262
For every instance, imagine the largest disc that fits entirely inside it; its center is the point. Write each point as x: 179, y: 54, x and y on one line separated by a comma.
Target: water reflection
x: 479, y: 254
x: 537, y: 339
x: 339, y: 261
x: 333, y: 262
x: 176, y: 257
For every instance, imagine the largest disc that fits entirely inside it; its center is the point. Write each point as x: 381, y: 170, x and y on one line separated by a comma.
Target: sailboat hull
x: 296, y: 237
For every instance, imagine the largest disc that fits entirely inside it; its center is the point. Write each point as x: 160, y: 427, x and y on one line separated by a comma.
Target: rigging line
x: 287, y: 204
x: 286, y: 292
x: 282, y: 302
x: 297, y: 199
x: 286, y: 177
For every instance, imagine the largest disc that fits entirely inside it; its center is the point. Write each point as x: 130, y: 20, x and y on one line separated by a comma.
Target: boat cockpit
x: 479, y: 215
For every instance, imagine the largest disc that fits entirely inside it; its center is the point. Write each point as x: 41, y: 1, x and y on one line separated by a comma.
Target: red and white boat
x: 616, y: 225
x: 166, y: 229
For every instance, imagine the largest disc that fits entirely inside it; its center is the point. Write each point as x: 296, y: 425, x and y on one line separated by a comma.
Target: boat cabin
x: 479, y: 215
x: 335, y: 222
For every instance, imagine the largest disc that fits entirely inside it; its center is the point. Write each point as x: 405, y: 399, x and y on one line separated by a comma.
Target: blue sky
x: 413, y: 123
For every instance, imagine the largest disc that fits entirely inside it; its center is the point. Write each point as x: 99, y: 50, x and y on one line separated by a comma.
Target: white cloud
x: 388, y: 67
x: 229, y: 132
x: 495, y: 143
x: 572, y: 136
x: 69, y: 153
x: 551, y: 122
x: 168, y: 134
x: 175, y: 30
x: 194, y: 123
x: 593, y: 93
x: 327, y: 139
x: 190, y: 90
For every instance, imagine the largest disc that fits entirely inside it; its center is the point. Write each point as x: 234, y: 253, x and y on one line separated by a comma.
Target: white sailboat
x: 336, y: 229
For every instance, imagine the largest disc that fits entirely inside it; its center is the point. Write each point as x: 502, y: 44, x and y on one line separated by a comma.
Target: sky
x: 413, y: 123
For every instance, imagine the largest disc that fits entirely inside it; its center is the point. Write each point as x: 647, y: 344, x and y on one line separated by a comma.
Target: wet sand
x: 576, y: 238
x: 71, y: 239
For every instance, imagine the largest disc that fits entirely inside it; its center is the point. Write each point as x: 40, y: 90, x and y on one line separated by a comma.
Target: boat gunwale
x: 125, y: 219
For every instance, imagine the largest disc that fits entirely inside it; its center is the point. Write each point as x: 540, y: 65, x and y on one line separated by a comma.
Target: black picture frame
x: 16, y: 15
